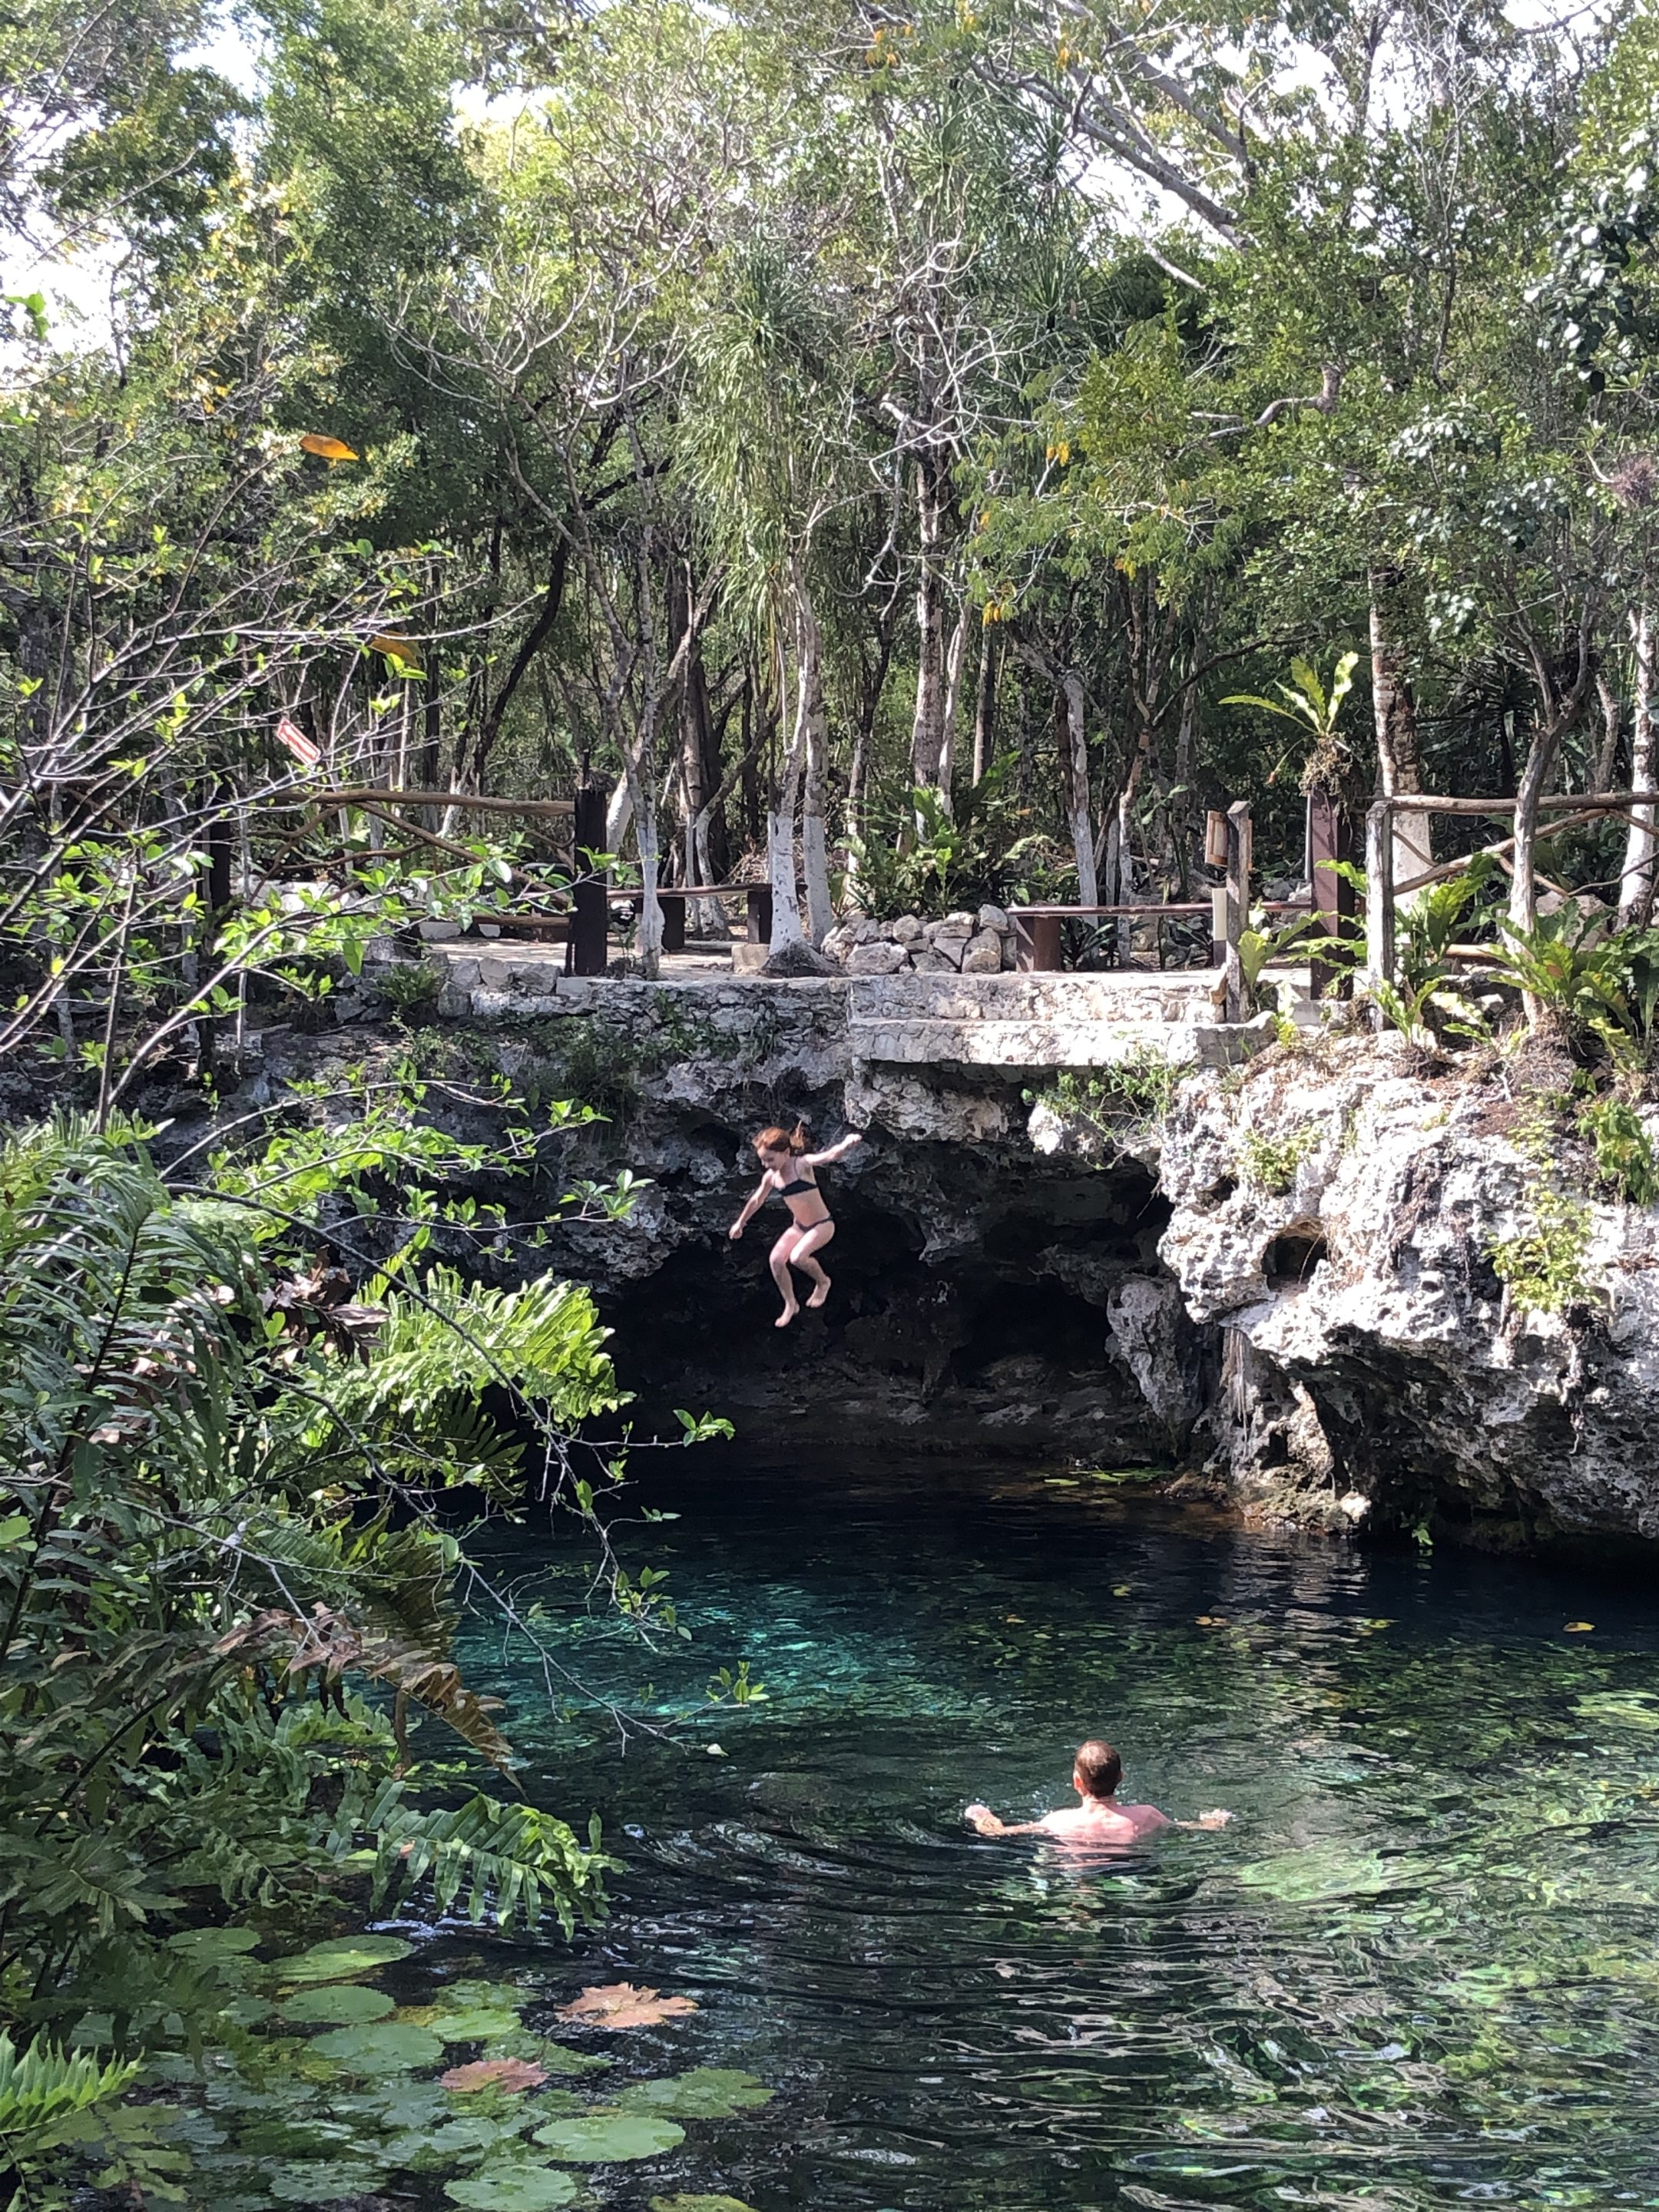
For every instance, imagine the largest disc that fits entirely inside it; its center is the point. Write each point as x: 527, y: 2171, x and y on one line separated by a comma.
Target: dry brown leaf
x: 620, y: 2005
x: 510, y: 2073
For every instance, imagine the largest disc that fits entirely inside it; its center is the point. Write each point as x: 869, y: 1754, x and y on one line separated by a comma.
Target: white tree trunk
x: 648, y: 943
x: 618, y: 813
x: 780, y: 872
x: 1076, y: 792
x: 811, y: 747
x: 955, y: 653
x: 1641, y: 843
x: 1399, y: 759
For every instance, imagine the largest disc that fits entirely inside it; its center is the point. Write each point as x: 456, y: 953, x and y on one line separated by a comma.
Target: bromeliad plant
x: 1424, y: 1005
x: 217, y: 1515
x: 1600, y: 991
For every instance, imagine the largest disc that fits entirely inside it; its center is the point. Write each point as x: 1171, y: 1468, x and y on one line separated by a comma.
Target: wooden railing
x: 1574, y: 809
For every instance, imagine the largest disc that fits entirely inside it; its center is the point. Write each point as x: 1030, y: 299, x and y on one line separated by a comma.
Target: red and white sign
x: 298, y: 743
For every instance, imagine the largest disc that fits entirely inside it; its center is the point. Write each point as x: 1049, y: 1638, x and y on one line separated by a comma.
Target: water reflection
x: 1419, y: 1970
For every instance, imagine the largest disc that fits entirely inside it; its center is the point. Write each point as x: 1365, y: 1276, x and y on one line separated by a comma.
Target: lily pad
x: 557, y: 2057
x: 620, y: 2005
x: 606, y: 2135
x: 700, y: 2204
x: 379, y: 2047
x: 336, y: 2004
x: 706, y: 2092
x: 512, y: 2189
x: 473, y: 2023
x: 215, y: 1943
x: 401, y: 2104
x: 313, y: 2181
x: 343, y: 1957
x: 459, y: 2142
x: 508, y: 2074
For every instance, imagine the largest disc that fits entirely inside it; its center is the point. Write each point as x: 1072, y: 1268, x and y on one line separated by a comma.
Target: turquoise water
x: 1420, y: 1969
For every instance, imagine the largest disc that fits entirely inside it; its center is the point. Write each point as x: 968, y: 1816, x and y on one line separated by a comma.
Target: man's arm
x: 1216, y: 1820
x: 982, y: 1817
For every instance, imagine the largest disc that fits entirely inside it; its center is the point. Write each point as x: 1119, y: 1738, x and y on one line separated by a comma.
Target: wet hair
x: 1100, y: 1766
x: 782, y: 1140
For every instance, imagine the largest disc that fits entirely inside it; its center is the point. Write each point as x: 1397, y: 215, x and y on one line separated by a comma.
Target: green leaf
x: 706, y: 2092
x: 336, y: 2004
x: 512, y: 2188
x: 474, y: 2023
x: 215, y: 1943
x: 342, y: 1957
x: 383, y: 2047
x: 700, y: 2204
x: 309, y: 2181
x: 606, y: 2135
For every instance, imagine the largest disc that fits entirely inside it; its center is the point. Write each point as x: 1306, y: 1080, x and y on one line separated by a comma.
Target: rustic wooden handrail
x: 1382, y: 893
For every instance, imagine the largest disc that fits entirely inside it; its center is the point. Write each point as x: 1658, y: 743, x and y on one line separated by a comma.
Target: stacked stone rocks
x: 981, y: 943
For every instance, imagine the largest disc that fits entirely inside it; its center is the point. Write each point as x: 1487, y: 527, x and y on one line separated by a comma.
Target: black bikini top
x: 794, y: 1189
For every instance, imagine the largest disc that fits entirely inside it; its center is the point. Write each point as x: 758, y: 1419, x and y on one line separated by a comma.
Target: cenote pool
x: 1421, y: 1968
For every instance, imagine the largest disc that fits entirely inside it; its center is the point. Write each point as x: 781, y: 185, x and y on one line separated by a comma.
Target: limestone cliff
x: 1336, y: 1214
x: 1287, y: 1286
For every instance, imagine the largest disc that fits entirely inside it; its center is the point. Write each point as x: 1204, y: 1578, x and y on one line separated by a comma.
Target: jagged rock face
x: 973, y: 1307
x: 988, y: 1300
x: 1336, y: 1214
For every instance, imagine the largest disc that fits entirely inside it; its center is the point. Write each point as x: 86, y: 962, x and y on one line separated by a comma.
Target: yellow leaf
x: 1580, y: 1627
x: 327, y: 448
x: 397, y: 648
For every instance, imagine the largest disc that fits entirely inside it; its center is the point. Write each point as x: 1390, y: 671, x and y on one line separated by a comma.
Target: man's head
x: 1098, y: 1771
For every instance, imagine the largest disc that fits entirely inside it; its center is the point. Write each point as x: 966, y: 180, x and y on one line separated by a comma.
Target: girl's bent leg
x: 780, y: 1265
x: 814, y: 1240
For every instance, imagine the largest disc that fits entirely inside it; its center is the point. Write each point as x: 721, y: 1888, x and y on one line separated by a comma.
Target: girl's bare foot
x: 819, y: 1295
x: 785, y: 1317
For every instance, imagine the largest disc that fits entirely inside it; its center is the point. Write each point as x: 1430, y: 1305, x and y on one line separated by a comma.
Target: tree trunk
x: 1641, y: 844
x: 647, y: 942
x: 984, y: 698
x: 812, y: 743
x: 781, y: 816
x: 1077, y: 789
x: 1399, y: 753
x: 619, y: 812
x: 1184, y: 826
x: 1535, y: 777
x: 947, y: 754
x: 1604, y: 769
x: 928, y: 726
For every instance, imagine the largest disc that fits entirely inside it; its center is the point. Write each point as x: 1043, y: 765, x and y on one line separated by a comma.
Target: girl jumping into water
x: 789, y: 1170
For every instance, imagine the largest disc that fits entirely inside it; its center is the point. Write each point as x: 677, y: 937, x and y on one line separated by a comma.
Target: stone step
x: 1180, y: 994
x: 983, y: 1041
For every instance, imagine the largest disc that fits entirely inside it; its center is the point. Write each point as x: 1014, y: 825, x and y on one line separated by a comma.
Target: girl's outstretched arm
x: 834, y: 1152
x: 752, y: 1209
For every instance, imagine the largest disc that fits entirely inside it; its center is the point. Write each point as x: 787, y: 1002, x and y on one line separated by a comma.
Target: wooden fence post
x: 585, y: 955
x: 1330, y: 837
x: 1238, y: 904
x: 1379, y: 893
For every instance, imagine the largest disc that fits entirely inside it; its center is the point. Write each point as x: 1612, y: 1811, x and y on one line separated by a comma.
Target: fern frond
x: 506, y: 1862
x: 42, y: 2087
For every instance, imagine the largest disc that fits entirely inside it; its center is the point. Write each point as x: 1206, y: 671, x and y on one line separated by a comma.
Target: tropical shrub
x: 1602, y: 991
x: 218, y: 1509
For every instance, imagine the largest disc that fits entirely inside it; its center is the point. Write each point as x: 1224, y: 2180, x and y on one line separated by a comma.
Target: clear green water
x: 1421, y: 1969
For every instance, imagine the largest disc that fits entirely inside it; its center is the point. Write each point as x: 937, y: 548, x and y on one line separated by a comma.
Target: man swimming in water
x: 1099, y: 1818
